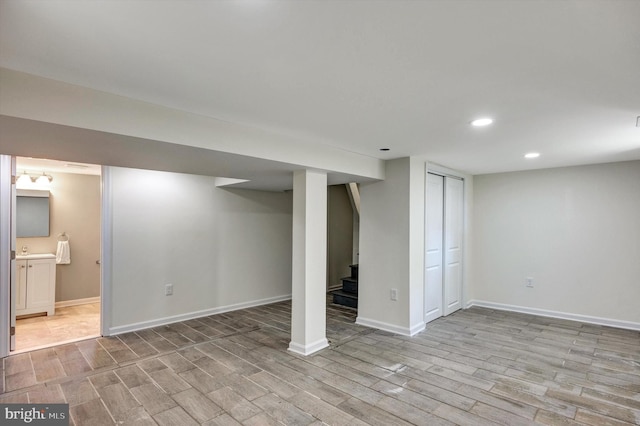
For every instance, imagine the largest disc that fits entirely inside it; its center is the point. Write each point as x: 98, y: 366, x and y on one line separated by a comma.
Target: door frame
x: 7, y: 246
x: 106, y: 249
x: 467, y: 179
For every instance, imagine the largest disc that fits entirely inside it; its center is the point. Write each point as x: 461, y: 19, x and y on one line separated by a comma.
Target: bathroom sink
x: 36, y: 256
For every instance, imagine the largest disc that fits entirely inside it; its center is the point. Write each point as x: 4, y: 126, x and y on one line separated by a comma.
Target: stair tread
x: 345, y: 299
x: 352, y: 289
x: 345, y: 294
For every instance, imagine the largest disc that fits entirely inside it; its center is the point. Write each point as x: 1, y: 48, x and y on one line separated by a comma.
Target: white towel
x: 63, y: 255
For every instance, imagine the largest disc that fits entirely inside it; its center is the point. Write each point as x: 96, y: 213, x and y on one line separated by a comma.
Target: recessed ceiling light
x: 482, y: 122
x: 532, y: 155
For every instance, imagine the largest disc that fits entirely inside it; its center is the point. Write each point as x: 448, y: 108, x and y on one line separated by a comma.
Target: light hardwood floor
x: 69, y: 324
x: 474, y: 367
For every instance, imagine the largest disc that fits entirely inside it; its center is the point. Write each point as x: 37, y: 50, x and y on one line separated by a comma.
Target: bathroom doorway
x: 57, y: 285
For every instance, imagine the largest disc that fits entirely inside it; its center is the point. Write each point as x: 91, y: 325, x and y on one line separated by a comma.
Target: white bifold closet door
x: 434, y: 273
x: 443, y: 258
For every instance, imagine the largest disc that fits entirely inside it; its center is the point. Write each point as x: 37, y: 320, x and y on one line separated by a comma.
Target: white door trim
x: 6, y: 246
x: 106, y: 250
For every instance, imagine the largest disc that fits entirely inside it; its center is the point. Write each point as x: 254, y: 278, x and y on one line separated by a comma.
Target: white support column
x: 309, y: 270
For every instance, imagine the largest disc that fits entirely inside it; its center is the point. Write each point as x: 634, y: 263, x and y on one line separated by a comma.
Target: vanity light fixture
x: 24, y: 180
x: 28, y: 181
x: 532, y: 155
x: 44, y: 179
x: 481, y: 122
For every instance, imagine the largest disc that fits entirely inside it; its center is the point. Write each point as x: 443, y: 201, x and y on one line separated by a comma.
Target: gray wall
x: 339, y: 235
x: 75, y: 209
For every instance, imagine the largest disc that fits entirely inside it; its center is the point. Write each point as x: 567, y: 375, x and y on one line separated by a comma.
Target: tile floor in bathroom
x: 68, y: 324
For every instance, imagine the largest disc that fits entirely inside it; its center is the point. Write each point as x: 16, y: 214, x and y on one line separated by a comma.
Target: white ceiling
x: 559, y: 77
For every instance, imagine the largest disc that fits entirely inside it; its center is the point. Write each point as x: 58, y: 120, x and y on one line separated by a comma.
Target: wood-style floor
x: 69, y: 324
x: 475, y: 367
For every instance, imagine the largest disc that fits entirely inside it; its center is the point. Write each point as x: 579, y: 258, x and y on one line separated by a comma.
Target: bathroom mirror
x: 32, y: 213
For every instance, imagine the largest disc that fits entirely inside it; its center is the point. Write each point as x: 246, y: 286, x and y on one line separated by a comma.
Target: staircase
x: 348, y: 295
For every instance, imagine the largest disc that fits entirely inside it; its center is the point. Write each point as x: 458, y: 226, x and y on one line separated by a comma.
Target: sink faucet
x: 25, y: 249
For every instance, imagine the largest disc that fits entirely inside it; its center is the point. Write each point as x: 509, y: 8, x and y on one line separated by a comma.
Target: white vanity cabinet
x: 36, y: 286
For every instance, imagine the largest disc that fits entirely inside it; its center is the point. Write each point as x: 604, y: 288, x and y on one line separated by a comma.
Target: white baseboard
x: 417, y: 328
x: 404, y: 331
x: 309, y: 348
x: 76, y: 302
x: 555, y: 314
x: 191, y: 315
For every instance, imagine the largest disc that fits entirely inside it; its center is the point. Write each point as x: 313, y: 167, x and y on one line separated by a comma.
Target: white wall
x: 220, y: 248
x: 391, y: 248
x: 575, y: 230
x: 417, y: 233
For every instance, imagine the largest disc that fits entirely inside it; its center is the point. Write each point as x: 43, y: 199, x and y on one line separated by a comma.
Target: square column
x: 309, y: 270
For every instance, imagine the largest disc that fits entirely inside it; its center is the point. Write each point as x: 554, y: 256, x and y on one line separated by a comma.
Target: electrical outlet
x: 168, y: 289
x: 528, y: 282
x: 394, y: 294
